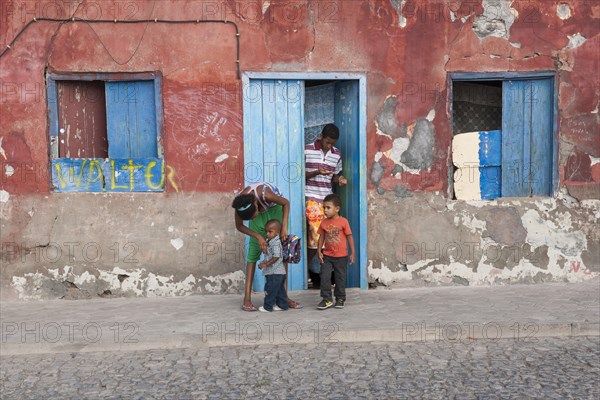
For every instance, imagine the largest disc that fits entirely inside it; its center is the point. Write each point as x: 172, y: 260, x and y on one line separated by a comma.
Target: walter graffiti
x: 111, y: 175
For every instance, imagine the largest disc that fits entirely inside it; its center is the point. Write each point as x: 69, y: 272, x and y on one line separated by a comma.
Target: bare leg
x: 291, y: 303
x: 250, y: 268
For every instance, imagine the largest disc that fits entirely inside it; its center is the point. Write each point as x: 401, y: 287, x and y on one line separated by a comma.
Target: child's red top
x: 335, y: 231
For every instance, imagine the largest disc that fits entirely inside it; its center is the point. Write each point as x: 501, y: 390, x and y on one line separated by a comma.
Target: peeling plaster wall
x: 495, y: 20
x: 132, y: 245
x: 407, y: 49
x: 432, y: 241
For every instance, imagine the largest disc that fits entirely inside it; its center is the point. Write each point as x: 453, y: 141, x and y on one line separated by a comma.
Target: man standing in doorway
x: 323, y: 166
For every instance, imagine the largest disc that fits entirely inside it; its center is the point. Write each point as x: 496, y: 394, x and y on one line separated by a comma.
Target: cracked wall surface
x: 432, y: 241
x: 167, y: 247
x: 139, y: 244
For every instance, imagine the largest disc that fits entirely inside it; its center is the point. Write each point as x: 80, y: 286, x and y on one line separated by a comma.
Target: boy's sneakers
x: 339, y: 303
x: 324, y: 305
x: 275, y: 308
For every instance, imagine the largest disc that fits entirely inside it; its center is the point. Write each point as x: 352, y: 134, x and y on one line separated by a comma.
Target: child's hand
x: 320, y: 254
x: 342, y: 181
x: 351, y: 259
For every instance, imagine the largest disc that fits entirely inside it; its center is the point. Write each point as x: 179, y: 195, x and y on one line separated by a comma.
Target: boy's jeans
x: 339, y: 266
x: 275, y: 292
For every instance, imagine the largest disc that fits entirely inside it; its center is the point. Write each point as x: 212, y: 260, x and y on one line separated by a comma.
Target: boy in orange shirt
x: 332, y: 250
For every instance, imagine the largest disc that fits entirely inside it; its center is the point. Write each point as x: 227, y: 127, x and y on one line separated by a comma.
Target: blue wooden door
x: 527, y: 137
x: 131, y: 119
x: 346, y: 118
x: 274, y: 152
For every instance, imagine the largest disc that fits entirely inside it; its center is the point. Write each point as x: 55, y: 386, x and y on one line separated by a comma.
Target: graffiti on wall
x: 111, y: 175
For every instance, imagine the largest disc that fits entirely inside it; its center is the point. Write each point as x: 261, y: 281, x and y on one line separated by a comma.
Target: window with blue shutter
x: 504, y: 144
x: 107, y: 139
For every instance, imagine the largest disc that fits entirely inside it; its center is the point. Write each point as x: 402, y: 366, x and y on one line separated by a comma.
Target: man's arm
x: 338, y: 179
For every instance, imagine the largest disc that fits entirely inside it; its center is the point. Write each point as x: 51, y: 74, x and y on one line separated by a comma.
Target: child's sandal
x: 249, y: 308
x: 294, y: 304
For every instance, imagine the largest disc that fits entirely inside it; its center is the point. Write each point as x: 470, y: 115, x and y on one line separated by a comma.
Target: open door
x: 273, y: 152
x: 346, y: 107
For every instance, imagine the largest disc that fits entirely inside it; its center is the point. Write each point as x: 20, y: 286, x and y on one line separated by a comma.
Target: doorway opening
x: 276, y: 129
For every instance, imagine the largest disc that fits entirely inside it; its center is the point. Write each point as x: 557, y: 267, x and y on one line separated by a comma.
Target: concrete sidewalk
x: 518, y: 312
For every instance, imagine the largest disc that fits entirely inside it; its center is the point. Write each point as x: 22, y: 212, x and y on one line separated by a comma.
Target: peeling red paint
x: 407, y: 53
x: 595, y: 172
x: 29, y: 175
x: 578, y: 167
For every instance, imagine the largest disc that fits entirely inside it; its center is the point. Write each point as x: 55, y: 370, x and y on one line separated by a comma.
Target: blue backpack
x: 292, y: 249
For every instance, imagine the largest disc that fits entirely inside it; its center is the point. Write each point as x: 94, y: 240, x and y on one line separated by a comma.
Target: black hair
x: 244, y: 206
x: 331, y: 131
x: 275, y: 222
x: 333, y: 198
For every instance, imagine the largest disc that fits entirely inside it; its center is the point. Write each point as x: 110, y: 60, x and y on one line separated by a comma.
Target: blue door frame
x: 253, y: 145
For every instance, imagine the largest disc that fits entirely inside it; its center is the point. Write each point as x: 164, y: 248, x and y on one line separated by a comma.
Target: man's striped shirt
x: 320, y: 186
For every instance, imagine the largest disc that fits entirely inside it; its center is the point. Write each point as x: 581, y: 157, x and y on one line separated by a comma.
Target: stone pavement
x: 535, y: 368
x: 452, y: 314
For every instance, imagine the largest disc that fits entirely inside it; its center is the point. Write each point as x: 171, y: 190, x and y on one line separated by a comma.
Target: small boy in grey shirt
x: 274, y: 271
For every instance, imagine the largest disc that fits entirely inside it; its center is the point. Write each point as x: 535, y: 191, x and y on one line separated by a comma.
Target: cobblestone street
x: 549, y: 368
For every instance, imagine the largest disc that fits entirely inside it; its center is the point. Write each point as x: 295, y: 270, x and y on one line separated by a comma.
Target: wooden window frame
x: 504, y: 76
x: 53, y: 124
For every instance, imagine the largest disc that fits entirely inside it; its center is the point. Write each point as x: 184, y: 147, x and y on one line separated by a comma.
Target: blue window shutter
x: 131, y: 119
x: 527, y: 137
x: 542, y: 136
x: 274, y: 151
x: 516, y: 122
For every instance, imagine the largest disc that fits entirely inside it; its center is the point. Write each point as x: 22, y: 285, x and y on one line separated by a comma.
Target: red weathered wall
x: 407, y: 53
x: 406, y: 49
